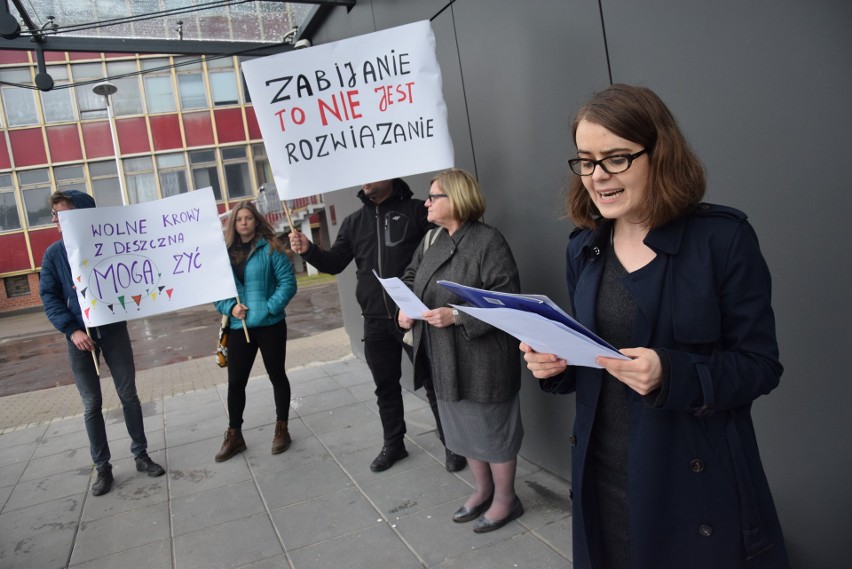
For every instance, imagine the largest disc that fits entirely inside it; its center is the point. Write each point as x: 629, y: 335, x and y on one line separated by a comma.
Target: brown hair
x: 466, y: 200
x: 676, y: 181
x: 57, y: 198
x: 262, y: 228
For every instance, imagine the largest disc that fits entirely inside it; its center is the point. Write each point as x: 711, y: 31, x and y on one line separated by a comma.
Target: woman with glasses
x: 475, y: 368
x: 665, y: 466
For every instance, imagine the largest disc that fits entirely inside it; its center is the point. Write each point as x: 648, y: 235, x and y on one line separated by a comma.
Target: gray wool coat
x: 470, y: 360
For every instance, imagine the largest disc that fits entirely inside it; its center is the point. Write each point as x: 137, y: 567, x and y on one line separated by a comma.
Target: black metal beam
x: 133, y: 45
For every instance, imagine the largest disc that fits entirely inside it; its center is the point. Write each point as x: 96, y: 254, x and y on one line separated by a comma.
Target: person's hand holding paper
x: 406, y: 300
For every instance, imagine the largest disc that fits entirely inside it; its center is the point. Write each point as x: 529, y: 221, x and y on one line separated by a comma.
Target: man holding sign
x: 62, y: 308
x: 382, y: 237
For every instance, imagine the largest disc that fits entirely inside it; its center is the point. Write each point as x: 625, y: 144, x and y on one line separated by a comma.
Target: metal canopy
x: 160, y: 26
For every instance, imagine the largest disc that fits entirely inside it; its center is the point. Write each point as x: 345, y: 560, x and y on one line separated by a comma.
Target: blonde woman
x: 475, y: 367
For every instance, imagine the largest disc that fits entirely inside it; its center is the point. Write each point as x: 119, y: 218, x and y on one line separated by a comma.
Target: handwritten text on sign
x: 364, y: 109
x: 135, y: 261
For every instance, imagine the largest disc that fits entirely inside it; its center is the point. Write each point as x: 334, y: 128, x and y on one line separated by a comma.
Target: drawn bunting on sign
x: 358, y: 110
x: 144, y: 259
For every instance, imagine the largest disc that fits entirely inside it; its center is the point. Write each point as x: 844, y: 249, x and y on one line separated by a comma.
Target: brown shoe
x: 233, y: 444
x: 281, y: 440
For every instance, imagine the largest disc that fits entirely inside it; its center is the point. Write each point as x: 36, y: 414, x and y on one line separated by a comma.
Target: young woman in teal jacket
x: 265, y: 284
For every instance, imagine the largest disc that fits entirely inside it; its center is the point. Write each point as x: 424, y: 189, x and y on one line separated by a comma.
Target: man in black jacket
x: 381, y: 236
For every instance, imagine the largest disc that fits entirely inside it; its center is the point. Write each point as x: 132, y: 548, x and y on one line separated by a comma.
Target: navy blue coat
x: 56, y: 285
x: 698, y: 496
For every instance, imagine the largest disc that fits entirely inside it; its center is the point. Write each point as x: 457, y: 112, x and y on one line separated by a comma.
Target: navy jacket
x: 698, y: 496
x: 379, y: 237
x: 56, y: 285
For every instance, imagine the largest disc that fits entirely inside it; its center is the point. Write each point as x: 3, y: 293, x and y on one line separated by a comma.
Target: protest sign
x: 135, y: 261
x: 359, y: 110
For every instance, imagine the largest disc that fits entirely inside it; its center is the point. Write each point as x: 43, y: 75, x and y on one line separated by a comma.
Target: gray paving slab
x: 157, y: 554
x: 192, y: 469
x: 45, y: 551
x: 371, y: 548
x: 415, y: 490
x: 317, y: 505
x: 327, y: 517
x: 39, y: 490
x: 128, y: 530
x: 427, y: 527
x: 63, y: 461
x: 54, y: 515
x: 340, y: 418
x: 31, y: 436
x: 215, y: 506
x: 522, y: 551
x: 130, y: 491
x: 231, y: 544
x: 288, y: 487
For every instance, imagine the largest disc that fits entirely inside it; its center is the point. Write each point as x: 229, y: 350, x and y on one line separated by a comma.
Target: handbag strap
x: 431, y: 236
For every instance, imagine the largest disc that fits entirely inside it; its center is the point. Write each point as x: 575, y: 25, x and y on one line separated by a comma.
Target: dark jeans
x: 383, y: 347
x: 118, y: 354
x: 272, y: 343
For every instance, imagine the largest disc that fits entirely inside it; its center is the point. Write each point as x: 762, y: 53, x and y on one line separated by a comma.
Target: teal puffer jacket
x: 269, y: 285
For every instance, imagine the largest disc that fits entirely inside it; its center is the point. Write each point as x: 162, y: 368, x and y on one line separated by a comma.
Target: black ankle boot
x: 388, y: 456
x: 103, y: 484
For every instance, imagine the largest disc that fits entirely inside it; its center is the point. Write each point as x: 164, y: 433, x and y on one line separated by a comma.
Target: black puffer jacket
x: 379, y: 237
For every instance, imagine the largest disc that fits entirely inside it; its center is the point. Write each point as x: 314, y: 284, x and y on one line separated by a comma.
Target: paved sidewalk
x: 315, y: 506
x: 36, y: 407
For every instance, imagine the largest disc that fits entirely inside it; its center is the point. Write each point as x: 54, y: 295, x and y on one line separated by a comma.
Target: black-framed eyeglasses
x: 611, y: 164
x: 433, y: 197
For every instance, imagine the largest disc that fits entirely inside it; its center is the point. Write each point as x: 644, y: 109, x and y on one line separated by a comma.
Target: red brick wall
x: 18, y: 302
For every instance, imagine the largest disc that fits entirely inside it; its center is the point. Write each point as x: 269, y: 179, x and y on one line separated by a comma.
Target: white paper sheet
x: 407, y: 301
x: 543, y: 335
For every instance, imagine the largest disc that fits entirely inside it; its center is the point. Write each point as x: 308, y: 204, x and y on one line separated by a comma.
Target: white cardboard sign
x: 139, y: 260
x: 359, y: 110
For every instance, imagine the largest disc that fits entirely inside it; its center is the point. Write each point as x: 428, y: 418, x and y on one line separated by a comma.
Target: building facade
x: 178, y: 124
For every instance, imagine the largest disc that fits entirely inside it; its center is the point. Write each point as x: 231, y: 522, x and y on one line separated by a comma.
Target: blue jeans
x: 113, y: 341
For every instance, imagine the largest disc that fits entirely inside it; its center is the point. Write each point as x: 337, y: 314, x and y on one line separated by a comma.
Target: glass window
x: 70, y: 178
x: 36, y: 190
x: 19, y: 103
x: 172, y: 170
x: 262, y: 169
x: 237, y: 177
x: 246, y: 94
x: 159, y: 93
x: 204, y: 172
x: 139, y: 175
x: 56, y: 103
x: 91, y: 106
x: 223, y: 83
x: 127, y: 100
x: 64, y: 173
x: 18, y: 285
x: 9, y: 217
x: 105, y: 186
x: 199, y: 156
x: 193, y: 94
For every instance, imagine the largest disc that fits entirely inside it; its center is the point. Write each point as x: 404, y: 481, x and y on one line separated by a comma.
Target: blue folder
x: 536, y: 303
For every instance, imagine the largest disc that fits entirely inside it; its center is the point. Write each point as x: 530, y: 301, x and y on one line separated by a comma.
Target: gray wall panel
x: 761, y: 89
x: 526, y: 67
